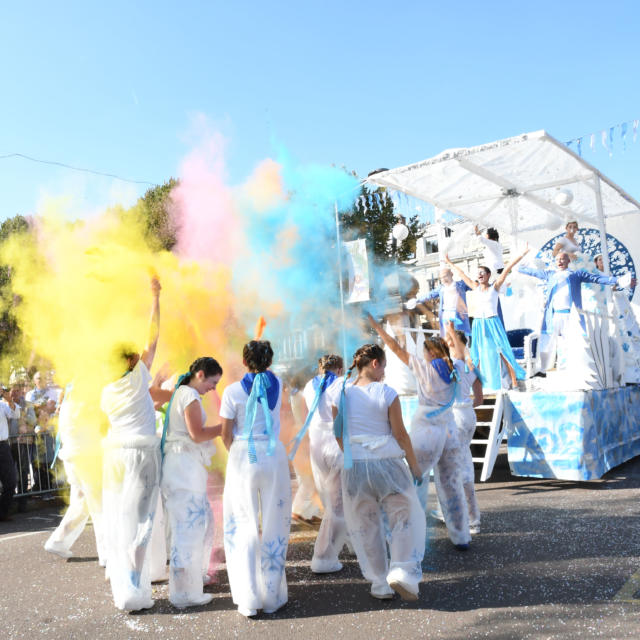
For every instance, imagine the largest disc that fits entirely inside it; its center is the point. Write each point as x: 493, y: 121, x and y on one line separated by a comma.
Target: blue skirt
x: 488, y: 342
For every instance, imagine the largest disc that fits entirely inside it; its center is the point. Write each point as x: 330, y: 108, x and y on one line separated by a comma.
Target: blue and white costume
x: 184, y: 490
x: 437, y: 446
x: 376, y: 483
x: 562, y: 294
x: 326, y: 464
x: 130, y: 489
x: 257, y: 495
x: 489, y: 342
x: 453, y: 305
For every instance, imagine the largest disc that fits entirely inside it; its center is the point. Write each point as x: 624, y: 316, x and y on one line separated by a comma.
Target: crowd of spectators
x: 28, y: 410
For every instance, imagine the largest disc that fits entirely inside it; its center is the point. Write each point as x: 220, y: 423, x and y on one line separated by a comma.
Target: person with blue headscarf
x: 433, y: 431
x: 187, y: 448
x: 378, y: 492
x: 257, y: 492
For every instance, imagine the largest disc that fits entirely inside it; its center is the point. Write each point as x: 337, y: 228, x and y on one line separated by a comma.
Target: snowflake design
x: 230, y: 530
x: 280, y: 503
x: 416, y: 557
x: 589, y: 241
x: 196, y: 512
x: 274, y: 554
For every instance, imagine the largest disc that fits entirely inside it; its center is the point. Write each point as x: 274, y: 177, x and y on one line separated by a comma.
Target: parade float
x: 583, y: 418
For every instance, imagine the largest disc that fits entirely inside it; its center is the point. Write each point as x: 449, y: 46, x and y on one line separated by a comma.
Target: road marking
x: 629, y: 589
x: 31, y: 533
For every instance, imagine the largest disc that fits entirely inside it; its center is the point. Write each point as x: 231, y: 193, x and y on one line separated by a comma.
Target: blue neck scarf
x: 443, y: 369
x: 320, y: 383
x: 262, y: 388
x: 165, y: 426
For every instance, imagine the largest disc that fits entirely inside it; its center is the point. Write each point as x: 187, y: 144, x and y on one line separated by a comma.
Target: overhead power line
x: 68, y: 166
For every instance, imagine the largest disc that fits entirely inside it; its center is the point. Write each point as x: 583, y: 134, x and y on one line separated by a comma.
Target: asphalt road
x: 553, y: 560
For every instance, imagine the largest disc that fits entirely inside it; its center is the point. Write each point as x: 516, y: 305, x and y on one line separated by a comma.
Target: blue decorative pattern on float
x: 575, y: 435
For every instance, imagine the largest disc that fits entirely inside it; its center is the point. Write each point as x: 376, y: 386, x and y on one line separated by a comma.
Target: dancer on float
x: 376, y: 484
x: 568, y: 243
x: 493, y: 250
x: 257, y: 490
x: 131, y: 471
x: 326, y: 464
x: 490, y: 348
x: 469, y: 396
x: 81, y: 454
x: 433, y: 431
x: 562, y: 294
x: 453, y: 302
x: 187, y: 449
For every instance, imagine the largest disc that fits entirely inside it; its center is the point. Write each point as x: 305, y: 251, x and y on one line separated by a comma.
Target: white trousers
x: 184, y: 489
x: 374, y: 490
x: 327, y: 462
x: 257, y: 494
x: 465, y: 418
x: 130, y: 496
x: 85, y: 502
x: 437, y: 446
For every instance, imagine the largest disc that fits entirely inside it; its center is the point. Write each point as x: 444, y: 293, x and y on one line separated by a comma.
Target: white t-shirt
x: 465, y: 381
x: 367, y: 413
x: 323, y: 413
x: 492, y: 254
x: 234, y: 404
x: 183, y: 397
x: 562, y: 296
x: 128, y: 404
x: 5, y: 413
x: 433, y: 391
x: 450, y: 297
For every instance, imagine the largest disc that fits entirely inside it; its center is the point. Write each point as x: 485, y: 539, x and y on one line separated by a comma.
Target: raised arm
x: 458, y: 346
x: 154, y: 324
x: 503, y: 276
x: 465, y: 278
x: 388, y: 340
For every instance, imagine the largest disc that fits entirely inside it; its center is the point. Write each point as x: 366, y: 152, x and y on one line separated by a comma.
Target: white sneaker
x: 247, y: 613
x: 404, y: 590
x: 474, y: 528
x: 382, y: 591
x: 437, y: 514
x: 205, y: 598
x: 333, y: 568
x: 57, y: 549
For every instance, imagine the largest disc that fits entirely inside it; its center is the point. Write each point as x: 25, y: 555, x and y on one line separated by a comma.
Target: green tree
x: 374, y: 221
x: 155, y: 211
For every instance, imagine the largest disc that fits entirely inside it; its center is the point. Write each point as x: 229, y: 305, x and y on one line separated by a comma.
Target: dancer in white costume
x: 326, y: 464
x: 187, y: 449
x: 257, y: 490
x: 433, y: 432
x: 81, y: 454
x: 465, y: 417
x: 131, y: 473
x: 568, y: 243
x: 376, y: 483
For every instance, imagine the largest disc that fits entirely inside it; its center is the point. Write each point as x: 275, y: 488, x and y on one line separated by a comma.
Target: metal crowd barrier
x: 33, y: 454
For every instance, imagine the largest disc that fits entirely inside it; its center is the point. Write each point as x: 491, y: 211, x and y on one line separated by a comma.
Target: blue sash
x: 259, y: 389
x: 326, y: 380
x: 340, y: 426
x: 453, y: 377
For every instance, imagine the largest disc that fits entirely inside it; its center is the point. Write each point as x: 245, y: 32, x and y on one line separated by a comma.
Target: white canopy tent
x: 524, y: 186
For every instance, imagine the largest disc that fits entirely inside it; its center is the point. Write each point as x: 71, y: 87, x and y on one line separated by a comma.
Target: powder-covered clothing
x: 466, y: 378
x: 367, y: 415
x: 234, y: 405
x: 128, y: 404
x: 323, y: 415
x: 432, y: 389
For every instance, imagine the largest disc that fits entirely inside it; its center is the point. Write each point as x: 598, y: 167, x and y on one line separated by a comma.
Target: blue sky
x: 116, y: 86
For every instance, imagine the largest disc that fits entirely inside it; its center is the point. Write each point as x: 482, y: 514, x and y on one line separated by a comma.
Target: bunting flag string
x: 608, y: 137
